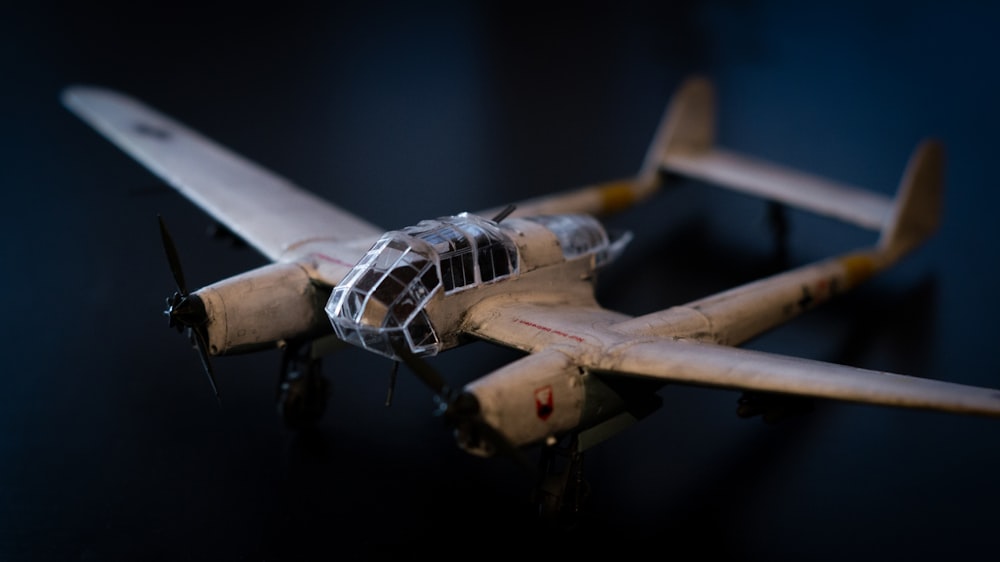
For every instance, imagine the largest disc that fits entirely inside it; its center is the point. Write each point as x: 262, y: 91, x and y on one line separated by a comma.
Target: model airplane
x: 523, y: 276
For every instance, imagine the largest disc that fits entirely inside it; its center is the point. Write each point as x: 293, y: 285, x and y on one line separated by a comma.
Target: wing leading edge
x: 267, y: 211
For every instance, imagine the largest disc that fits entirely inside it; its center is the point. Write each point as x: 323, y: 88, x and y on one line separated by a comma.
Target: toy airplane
x: 524, y: 277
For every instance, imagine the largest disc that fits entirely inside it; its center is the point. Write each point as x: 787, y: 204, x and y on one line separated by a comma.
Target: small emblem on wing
x: 152, y: 131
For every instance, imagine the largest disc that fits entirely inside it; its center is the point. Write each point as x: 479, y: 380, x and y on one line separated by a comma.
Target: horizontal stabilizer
x: 688, y: 149
x: 812, y: 193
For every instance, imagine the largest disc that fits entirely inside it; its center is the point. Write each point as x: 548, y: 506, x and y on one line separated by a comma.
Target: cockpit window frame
x: 382, y: 301
x: 582, y: 235
x: 468, y: 239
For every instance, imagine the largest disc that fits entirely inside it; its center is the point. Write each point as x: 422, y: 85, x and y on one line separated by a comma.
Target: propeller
x: 462, y: 410
x: 185, y: 310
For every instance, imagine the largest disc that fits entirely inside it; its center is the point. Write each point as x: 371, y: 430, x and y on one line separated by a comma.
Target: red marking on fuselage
x: 543, y: 402
x: 325, y: 257
x: 559, y: 333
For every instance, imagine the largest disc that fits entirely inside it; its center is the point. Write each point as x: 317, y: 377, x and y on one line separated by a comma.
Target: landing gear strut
x: 302, y: 390
x: 561, y: 490
x: 777, y: 218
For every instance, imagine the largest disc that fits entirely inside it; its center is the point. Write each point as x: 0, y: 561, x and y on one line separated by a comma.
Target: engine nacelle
x: 263, y: 308
x: 529, y: 400
x: 543, y: 396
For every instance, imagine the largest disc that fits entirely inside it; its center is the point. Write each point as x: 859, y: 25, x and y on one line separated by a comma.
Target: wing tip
x: 77, y: 97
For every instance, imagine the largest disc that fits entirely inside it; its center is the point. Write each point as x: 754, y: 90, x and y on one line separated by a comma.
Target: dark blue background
x: 112, y: 446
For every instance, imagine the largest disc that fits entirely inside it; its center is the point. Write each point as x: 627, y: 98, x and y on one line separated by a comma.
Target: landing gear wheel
x: 302, y: 391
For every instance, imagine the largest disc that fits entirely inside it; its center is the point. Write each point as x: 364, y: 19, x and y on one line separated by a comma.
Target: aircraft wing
x: 267, y: 211
x: 533, y: 326
x: 589, y: 337
x: 687, y: 361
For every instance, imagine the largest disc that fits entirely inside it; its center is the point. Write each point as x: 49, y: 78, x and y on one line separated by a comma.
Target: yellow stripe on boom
x: 617, y: 196
x: 857, y: 268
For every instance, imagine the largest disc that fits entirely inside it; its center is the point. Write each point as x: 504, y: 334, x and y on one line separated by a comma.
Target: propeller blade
x: 173, y: 259
x: 199, y: 343
x: 184, y: 309
x: 463, y: 408
x: 392, y: 383
x: 427, y: 374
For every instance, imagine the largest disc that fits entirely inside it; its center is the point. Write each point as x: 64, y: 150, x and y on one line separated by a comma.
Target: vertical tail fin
x: 687, y: 123
x: 916, y: 212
